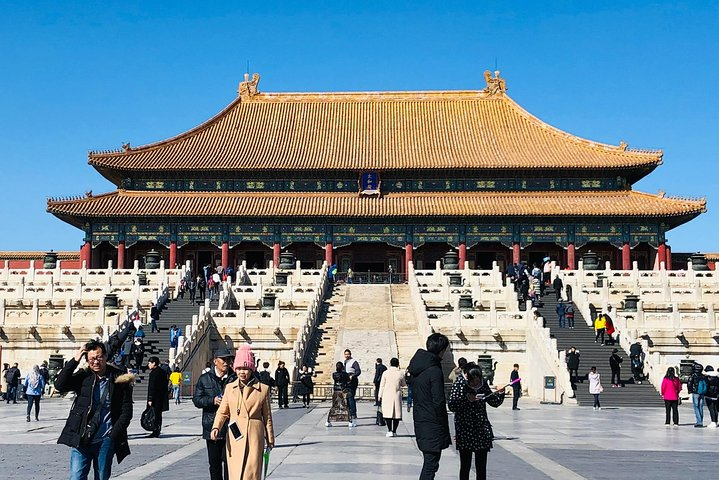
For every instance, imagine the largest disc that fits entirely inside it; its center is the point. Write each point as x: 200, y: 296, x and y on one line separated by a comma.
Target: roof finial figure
x: 623, y: 145
x: 495, y: 84
x: 126, y: 147
x: 248, y: 88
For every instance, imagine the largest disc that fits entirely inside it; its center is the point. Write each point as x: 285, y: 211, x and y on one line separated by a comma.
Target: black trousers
x: 712, y: 406
x: 33, y: 400
x: 672, y: 406
x: 430, y: 465
x: 216, y: 459
x: 616, y: 374
x: 376, y: 393
x: 600, y: 332
x: 573, y: 374
x: 282, y: 398
x: 465, y: 464
x: 158, y: 419
x: 516, y: 393
x: 392, y: 424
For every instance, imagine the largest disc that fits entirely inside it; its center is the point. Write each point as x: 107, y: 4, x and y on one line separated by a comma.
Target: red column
x: 173, y: 254
x: 668, y: 256
x: 276, y: 254
x: 462, y: 255
x: 407, y: 256
x: 571, y: 254
x: 86, y: 254
x: 120, y: 254
x: 661, y: 254
x: 225, y: 254
x: 328, y: 253
x: 515, y: 253
x: 626, y: 257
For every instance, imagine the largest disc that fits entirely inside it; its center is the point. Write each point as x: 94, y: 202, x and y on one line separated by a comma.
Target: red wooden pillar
x: 515, y: 253
x: 626, y: 257
x: 225, y: 254
x: 668, y: 256
x: 571, y: 257
x: 120, y: 255
x: 408, y: 248
x: 462, y: 255
x: 328, y: 253
x: 276, y: 254
x: 173, y: 254
x: 661, y: 255
x: 86, y: 254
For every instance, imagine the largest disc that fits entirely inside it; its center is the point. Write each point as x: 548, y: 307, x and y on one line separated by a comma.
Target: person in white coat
x: 390, y: 394
x: 595, y: 386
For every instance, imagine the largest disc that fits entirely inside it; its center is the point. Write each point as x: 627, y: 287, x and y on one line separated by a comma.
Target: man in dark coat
x: 615, y: 363
x: 379, y: 369
x: 207, y: 396
x: 573, y: 364
x: 431, y: 425
x: 282, y: 379
x: 157, y: 396
x: 110, y: 420
x: 12, y: 377
x: 557, y: 284
x: 516, y: 387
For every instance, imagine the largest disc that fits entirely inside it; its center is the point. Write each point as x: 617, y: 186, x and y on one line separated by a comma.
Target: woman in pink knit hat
x: 246, y: 404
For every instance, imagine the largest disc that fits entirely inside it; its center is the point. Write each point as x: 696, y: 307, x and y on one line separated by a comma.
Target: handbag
x: 380, y: 418
x: 147, y: 419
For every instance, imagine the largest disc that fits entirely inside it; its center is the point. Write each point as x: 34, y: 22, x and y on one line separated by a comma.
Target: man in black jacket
x: 379, y: 369
x: 207, y: 396
x: 615, y: 364
x: 12, y: 377
x: 157, y: 396
x: 282, y: 379
x: 431, y: 425
x: 97, y: 426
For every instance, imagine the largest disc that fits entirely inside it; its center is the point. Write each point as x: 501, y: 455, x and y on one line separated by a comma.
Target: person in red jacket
x: 671, y: 386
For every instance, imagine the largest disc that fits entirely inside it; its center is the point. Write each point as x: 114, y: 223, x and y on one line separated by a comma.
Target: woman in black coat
x: 468, y: 400
x: 157, y: 394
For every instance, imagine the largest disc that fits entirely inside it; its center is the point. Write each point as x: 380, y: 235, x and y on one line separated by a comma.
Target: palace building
x: 373, y: 180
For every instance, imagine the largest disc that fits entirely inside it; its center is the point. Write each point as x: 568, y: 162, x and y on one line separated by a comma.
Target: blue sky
x: 93, y: 75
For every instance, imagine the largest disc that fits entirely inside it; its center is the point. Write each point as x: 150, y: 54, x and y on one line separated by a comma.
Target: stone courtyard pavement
x: 538, y: 442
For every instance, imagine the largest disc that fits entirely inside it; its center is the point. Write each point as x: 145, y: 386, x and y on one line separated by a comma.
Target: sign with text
x: 369, y: 183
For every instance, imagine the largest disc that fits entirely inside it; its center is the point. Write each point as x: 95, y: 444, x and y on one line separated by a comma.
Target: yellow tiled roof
x: 124, y: 203
x: 373, y: 131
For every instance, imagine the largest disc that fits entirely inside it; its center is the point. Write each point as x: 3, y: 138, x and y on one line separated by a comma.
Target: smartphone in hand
x: 235, y: 431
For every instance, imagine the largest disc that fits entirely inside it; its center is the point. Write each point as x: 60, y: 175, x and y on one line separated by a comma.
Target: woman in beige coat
x: 246, y: 405
x: 390, y: 394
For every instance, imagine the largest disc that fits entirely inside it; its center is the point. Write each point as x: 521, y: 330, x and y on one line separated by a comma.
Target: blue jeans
x: 698, y: 402
x: 99, y: 455
x: 176, y: 393
x: 351, y: 404
x: 561, y: 321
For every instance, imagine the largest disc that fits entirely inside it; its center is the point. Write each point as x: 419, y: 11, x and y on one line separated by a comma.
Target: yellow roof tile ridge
x: 79, y: 198
x: 656, y: 155
x: 93, y: 155
x: 399, y: 95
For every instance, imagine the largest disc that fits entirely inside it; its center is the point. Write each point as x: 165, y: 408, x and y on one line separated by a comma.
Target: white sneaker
x: 599, y: 408
x: 354, y: 423
x: 388, y: 434
x: 713, y: 424
x: 595, y: 408
x: 328, y: 424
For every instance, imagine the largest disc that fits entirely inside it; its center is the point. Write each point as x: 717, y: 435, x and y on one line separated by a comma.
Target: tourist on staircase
x: 595, y: 386
x: 712, y: 395
x: 154, y: 317
x: 599, y: 327
x: 201, y: 285
x: 557, y: 284
x: 670, y: 389
x: 208, y: 396
x: 561, y: 312
x: 569, y: 313
x: 615, y: 364
x: 573, y: 364
x: 390, y: 396
x: 192, y: 288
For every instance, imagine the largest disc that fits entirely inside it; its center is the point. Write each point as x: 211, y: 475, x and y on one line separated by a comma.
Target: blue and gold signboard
x: 390, y: 234
x: 369, y: 183
x: 643, y: 233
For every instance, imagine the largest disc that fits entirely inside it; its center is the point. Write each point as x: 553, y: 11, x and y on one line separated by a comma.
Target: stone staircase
x: 595, y: 354
x: 405, y: 324
x: 177, y: 312
x: 321, y: 348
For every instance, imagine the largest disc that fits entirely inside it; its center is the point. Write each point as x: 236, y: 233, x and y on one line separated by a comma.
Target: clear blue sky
x: 91, y: 75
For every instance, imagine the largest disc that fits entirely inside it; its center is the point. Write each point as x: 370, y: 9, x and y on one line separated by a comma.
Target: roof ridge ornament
x: 623, y: 145
x: 495, y: 85
x: 248, y: 88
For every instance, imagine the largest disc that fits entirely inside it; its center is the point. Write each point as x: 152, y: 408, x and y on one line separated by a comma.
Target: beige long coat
x: 390, y: 392
x: 244, y: 456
